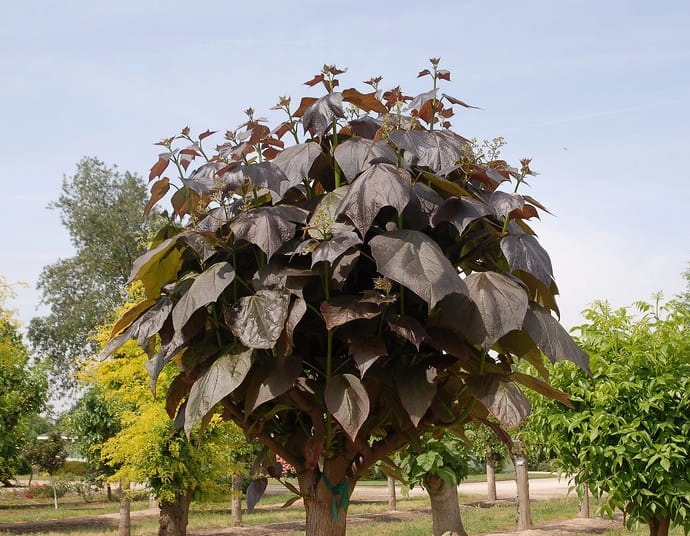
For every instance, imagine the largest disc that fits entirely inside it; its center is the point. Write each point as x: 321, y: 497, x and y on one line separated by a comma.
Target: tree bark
x: 524, y: 515
x: 392, y: 502
x: 583, y: 507
x: 125, y: 519
x: 659, y: 526
x: 445, y: 508
x: 175, y: 515
x: 326, y: 498
x: 236, y: 505
x: 490, y: 475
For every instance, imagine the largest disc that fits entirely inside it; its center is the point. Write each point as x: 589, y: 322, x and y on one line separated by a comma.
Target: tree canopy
x: 103, y: 211
x: 22, y: 390
x: 627, y: 436
x: 345, y: 280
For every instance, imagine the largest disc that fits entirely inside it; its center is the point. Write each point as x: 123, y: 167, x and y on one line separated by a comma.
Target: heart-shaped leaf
x: 417, y: 388
x: 205, y: 289
x: 320, y: 115
x: 296, y: 161
x: 330, y: 250
x: 381, y: 185
x: 523, y: 252
x: 366, y: 350
x: 347, y: 400
x: 501, y: 302
x: 415, y: 260
x: 281, y: 375
x: 255, y: 490
x: 408, y: 328
x: 438, y: 150
x: 460, y: 212
x: 503, y: 203
x: 224, y: 375
x: 357, y: 154
x: 263, y: 174
x: 258, y: 320
x: 266, y: 227
x: 424, y: 202
x: 552, y: 338
x: 501, y: 397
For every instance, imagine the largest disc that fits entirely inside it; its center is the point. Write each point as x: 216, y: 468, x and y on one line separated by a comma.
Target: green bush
x: 72, y: 467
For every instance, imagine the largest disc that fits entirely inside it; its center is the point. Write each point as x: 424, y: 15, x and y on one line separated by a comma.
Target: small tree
x: 487, y: 447
x: 49, y: 454
x: 342, y: 294
x: 627, y: 437
x: 438, y: 462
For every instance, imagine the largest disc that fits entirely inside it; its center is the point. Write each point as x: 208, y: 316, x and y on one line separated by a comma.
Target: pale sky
x: 597, y: 92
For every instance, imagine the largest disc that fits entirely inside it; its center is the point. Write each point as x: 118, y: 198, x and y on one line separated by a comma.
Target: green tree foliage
x: 627, y: 436
x: 341, y: 292
x: 102, y: 209
x: 22, y: 390
x: 140, y: 443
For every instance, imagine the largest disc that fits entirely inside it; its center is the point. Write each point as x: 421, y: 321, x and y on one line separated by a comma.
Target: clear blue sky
x: 597, y: 92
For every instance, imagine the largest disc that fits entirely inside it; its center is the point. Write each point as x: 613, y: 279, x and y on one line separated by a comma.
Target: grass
x: 364, y: 517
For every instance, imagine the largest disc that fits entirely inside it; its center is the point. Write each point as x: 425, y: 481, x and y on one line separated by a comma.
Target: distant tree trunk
x: 491, y: 475
x: 174, y: 516
x: 659, y: 526
x: 584, y: 503
x: 125, y: 520
x: 236, y: 505
x: 52, y: 483
x: 445, y: 507
x: 109, y: 492
x: 524, y: 515
x: 392, y: 502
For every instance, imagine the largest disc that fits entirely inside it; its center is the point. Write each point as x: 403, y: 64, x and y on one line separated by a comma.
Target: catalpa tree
x: 344, y: 281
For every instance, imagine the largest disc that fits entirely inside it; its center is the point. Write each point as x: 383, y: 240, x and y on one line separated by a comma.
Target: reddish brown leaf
x: 423, y: 73
x: 158, y: 191
x: 159, y: 167
x: 317, y: 78
x: 527, y: 212
x: 304, y: 105
x: 453, y: 100
x: 443, y: 74
x: 365, y: 101
x: 207, y: 134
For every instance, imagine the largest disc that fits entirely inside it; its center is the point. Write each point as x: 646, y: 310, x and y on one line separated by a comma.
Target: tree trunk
x: 125, y: 520
x: 109, y: 492
x: 326, y: 498
x: 392, y: 502
x: 175, y: 515
x: 524, y: 515
x: 236, y: 505
x: 659, y: 526
x: 584, y: 503
x: 491, y: 475
x: 445, y: 508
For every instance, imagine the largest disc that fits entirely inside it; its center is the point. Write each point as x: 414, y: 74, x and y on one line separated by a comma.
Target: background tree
x: 22, y: 390
x: 627, y: 437
x: 438, y: 462
x: 343, y: 294
x: 102, y: 209
x: 49, y: 454
x: 148, y: 448
x: 490, y: 450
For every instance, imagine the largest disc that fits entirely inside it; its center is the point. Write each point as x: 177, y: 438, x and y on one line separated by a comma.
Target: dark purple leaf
x: 263, y: 175
x: 295, y: 314
x: 258, y: 320
x: 523, y: 252
x: 416, y: 389
x: 501, y: 302
x: 415, y: 260
x: 365, y: 127
x: 205, y: 289
x: 453, y: 100
x: 357, y: 154
x: 219, y: 216
x: 267, y: 227
x: 552, y: 338
x: 459, y: 313
x: 205, y: 179
x: 424, y: 202
x: 501, y: 397
x: 381, y: 185
x: 320, y: 115
x: 503, y: 203
x: 204, y: 244
x: 343, y: 266
x: 408, y: 328
x: 347, y: 400
x: 296, y: 161
x: 330, y: 250
x: 343, y: 309
x: 460, y: 212
x: 255, y: 491
x: 366, y: 351
x: 281, y: 373
x: 224, y: 375
x: 438, y: 150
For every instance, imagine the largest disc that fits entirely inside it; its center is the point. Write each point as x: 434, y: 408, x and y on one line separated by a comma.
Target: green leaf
x: 224, y: 375
x: 205, y: 289
x: 415, y: 260
x: 347, y: 400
